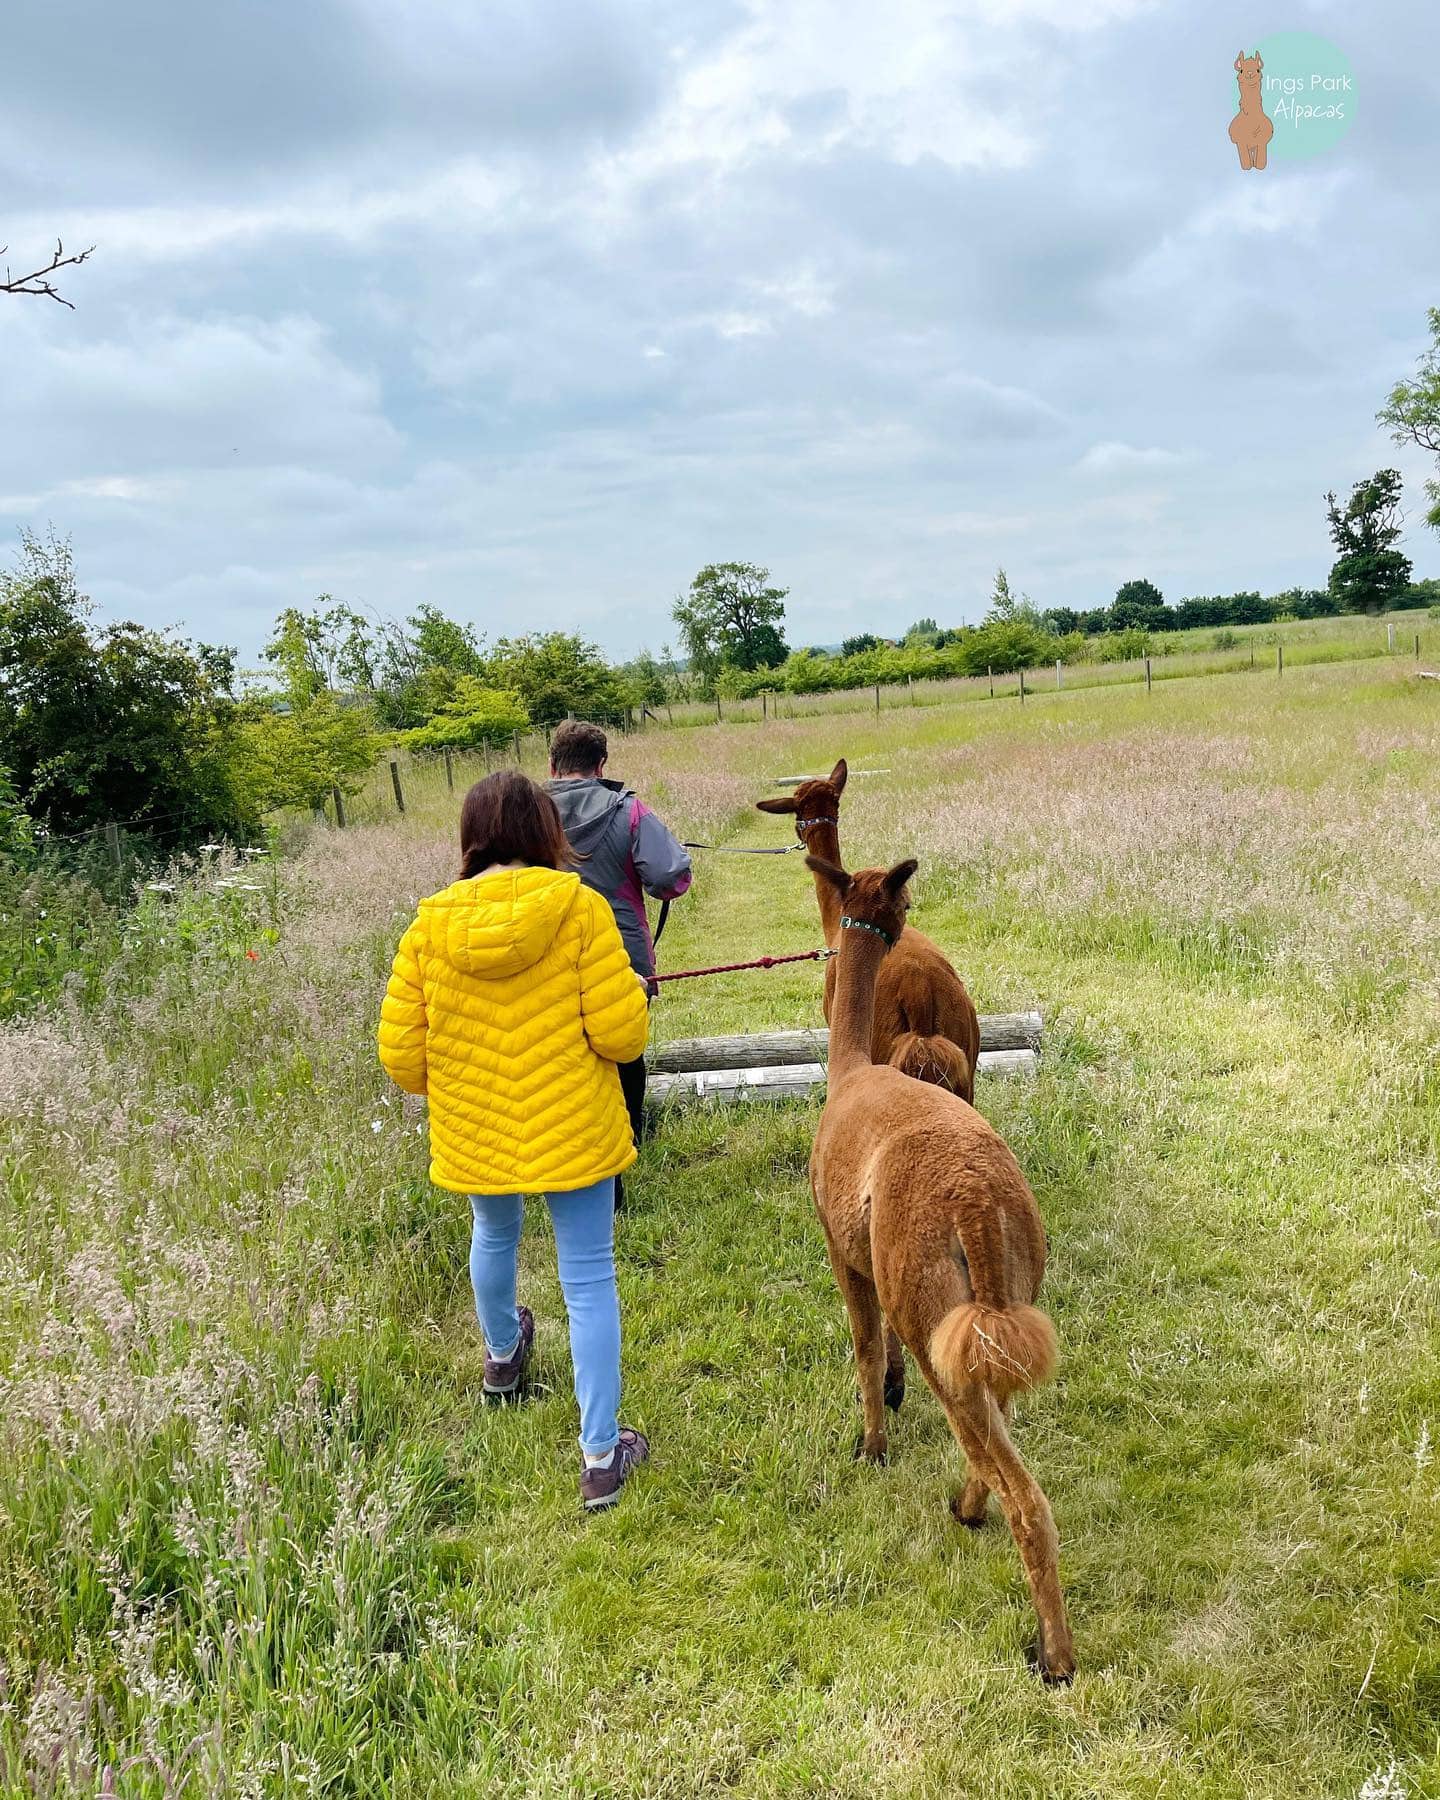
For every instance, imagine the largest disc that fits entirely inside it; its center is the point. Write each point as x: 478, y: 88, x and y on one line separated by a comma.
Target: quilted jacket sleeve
x: 402, y: 1017
x: 612, y: 1001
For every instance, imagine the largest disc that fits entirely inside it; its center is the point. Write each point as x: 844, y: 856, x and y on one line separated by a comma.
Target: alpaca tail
x: 934, y: 1059
x: 1008, y: 1348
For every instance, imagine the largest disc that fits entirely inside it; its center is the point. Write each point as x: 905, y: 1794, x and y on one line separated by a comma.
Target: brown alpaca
x: 925, y: 1022
x: 932, y: 1227
x: 1251, y: 129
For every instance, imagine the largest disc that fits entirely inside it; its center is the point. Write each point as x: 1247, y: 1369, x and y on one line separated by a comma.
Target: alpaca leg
x: 867, y: 1328
x: 1262, y: 152
x: 894, y: 1368
x: 1244, y: 156
x: 977, y: 1422
x: 970, y: 1503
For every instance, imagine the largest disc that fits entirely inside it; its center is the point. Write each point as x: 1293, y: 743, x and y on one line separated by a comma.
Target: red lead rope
x: 763, y: 962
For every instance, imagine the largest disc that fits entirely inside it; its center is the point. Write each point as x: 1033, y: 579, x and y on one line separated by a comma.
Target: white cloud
x: 1112, y: 458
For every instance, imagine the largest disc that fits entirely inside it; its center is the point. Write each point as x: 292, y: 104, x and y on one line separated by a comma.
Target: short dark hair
x: 508, y: 818
x: 578, y: 748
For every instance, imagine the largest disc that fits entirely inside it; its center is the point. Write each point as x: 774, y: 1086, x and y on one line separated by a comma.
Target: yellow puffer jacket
x: 510, y: 1002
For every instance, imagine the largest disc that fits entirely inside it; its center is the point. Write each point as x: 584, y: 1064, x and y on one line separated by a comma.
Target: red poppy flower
x: 252, y: 955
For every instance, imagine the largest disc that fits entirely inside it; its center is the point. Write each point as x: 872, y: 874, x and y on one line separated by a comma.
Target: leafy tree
x: 1413, y: 411
x: 111, y: 724
x: 17, y: 833
x: 858, y: 645
x: 476, y: 715
x: 1061, y: 620
x: 732, y: 616
x: 923, y: 631
x: 556, y: 674
x: 441, y: 643
x: 1002, y: 602
x: 1369, y: 573
x: 1138, y: 606
x: 295, y: 758
x: 646, y: 680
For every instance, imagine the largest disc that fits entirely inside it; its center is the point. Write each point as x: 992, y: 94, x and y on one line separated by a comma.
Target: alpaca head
x: 813, y: 802
x: 1249, y: 69
x: 875, y: 900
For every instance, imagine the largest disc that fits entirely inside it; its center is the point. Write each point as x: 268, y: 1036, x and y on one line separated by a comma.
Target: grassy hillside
x: 257, y: 1533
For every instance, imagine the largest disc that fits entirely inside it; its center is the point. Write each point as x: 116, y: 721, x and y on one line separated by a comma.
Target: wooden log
x: 793, y: 1081
x: 775, y: 1049
x: 796, y: 780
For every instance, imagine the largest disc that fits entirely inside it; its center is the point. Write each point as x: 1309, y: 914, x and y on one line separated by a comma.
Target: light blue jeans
x: 584, y: 1222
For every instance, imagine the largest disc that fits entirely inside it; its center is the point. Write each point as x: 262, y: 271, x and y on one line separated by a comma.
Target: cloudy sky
x: 532, y: 307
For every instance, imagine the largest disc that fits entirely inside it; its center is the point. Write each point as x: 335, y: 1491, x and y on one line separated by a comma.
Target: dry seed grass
x: 257, y: 1538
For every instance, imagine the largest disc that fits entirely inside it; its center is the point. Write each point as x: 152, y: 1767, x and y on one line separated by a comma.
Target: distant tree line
x: 114, y: 723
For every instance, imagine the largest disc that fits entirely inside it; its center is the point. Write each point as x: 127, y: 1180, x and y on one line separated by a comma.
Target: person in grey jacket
x: 628, y: 853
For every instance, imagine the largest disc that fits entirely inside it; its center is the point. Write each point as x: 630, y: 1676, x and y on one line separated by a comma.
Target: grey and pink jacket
x: 628, y: 854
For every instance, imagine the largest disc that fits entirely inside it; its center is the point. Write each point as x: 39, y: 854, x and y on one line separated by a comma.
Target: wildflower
x: 377, y: 1124
x: 252, y: 956
x: 1384, y: 1784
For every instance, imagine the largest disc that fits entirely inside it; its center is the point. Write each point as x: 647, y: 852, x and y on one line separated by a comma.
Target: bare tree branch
x: 37, y: 282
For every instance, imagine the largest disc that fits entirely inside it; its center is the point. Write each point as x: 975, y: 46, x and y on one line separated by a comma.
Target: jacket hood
x: 586, y: 806
x: 499, y: 924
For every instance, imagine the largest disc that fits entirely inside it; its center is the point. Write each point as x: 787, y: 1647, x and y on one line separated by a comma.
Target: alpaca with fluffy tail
x: 917, y: 993
x: 936, y: 1244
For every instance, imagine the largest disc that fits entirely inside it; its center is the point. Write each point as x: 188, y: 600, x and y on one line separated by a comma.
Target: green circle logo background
x: 1308, y: 90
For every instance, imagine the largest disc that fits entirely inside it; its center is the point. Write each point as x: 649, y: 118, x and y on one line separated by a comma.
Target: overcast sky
x: 532, y: 307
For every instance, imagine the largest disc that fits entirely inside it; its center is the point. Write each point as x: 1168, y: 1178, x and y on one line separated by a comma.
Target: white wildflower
x: 1384, y: 1784
x: 1422, y: 1448
x: 377, y: 1124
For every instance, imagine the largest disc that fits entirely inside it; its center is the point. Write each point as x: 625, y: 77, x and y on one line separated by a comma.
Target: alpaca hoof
x: 971, y: 1521
x: 872, y: 1453
x: 1060, y: 1676
x: 894, y: 1393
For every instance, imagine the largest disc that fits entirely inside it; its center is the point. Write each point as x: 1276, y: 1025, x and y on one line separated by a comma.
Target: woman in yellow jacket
x: 510, y: 1003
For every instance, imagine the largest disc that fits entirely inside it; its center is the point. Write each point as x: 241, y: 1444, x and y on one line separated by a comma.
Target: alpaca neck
x: 1250, y: 101
x: 823, y: 840
x: 852, y: 1012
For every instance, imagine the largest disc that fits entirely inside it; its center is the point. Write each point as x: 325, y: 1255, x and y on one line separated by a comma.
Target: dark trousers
x: 632, y: 1085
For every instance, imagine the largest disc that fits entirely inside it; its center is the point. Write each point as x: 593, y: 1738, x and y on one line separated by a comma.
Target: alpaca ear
x: 1239, y: 59
x: 839, y: 775
x: 837, y: 878
x: 782, y: 803
x: 899, y: 875
x: 1259, y: 63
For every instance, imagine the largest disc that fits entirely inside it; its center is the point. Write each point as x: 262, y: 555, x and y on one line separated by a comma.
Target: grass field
x: 258, y: 1536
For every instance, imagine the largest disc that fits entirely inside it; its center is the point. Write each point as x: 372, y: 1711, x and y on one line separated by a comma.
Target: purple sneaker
x: 505, y: 1379
x: 600, y: 1485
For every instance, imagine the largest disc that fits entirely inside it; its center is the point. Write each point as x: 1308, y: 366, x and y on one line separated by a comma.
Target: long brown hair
x: 507, y: 818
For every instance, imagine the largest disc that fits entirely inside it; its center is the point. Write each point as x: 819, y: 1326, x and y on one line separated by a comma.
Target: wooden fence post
x: 764, y: 705
x: 339, y: 800
x: 395, y: 783
x: 1417, y: 646
x: 112, y: 838
x: 1390, y: 640
x: 1279, y: 659
x: 1058, y: 683
x: 877, y: 696
x: 991, y: 674
x: 1022, y: 686
x: 515, y: 736
x: 910, y: 683
x: 1147, y: 674
x: 719, y: 716
x: 1252, y: 654
x: 449, y: 770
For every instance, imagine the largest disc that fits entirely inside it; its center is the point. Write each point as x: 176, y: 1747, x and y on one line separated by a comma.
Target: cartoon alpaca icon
x: 1250, y: 129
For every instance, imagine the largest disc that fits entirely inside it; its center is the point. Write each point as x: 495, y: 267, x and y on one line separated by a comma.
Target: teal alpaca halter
x: 849, y: 924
